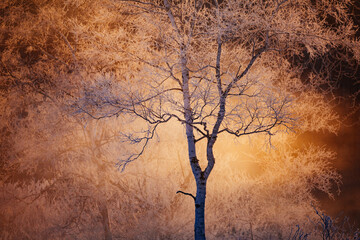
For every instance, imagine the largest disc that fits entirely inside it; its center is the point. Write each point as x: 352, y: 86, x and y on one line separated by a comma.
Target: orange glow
x: 84, y: 83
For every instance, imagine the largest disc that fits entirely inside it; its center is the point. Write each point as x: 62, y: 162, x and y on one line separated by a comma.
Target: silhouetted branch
x: 188, y: 194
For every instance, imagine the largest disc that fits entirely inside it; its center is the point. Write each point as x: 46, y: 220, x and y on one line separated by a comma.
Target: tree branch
x: 188, y: 194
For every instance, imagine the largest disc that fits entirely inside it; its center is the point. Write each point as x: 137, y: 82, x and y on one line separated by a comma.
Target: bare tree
x: 216, y: 67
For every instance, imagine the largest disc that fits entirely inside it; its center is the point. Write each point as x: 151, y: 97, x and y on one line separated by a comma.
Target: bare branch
x: 188, y: 194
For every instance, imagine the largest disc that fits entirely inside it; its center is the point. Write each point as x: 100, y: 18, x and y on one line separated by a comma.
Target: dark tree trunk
x: 105, y: 220
x: 200, y: 210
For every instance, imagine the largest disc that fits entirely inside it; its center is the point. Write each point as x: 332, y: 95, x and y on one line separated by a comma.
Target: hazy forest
x: 112, y: 113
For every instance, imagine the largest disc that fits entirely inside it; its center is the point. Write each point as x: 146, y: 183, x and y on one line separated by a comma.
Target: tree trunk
x: 199, y: 176
x: 200, y: 210
x: 105, y: 220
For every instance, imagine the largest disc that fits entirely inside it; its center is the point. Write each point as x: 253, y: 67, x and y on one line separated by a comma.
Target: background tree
x: 215, y: 67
